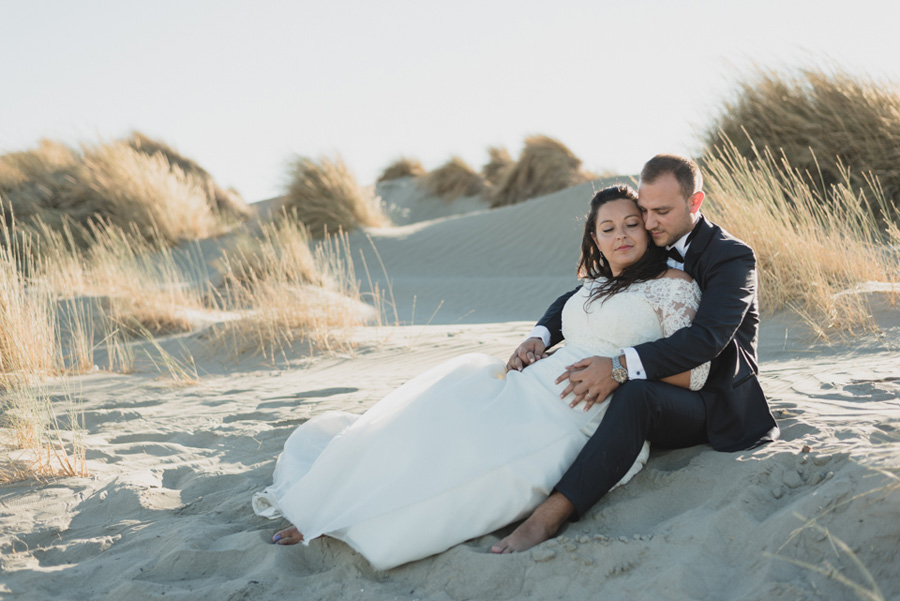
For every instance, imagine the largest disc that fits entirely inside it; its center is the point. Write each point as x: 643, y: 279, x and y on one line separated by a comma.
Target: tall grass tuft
x: 326, y: 197
x: 128, y: 188
x: 814, y: 246
x: 228, y: 202
x: 27, y: 319
x: 822, y: 122
x: 37, y: 339
x: 499, y: 162
x: 145, y: 283
x: 113, y: 182
x: 284, y: 293
x: 60, y: 301
x: 34, y: 182
x: 545, y: 165
x: 56, y: 299
x: 280, y: 251
x: 402, y: 167
x: 453, y: 179
x: 43, y: 434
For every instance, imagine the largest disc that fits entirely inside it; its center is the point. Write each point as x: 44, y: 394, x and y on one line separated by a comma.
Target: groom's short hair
x: 685, y: 170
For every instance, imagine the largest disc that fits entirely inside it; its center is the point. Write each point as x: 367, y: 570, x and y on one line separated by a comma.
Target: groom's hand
x: 531, y: 350
x: 590, y: 380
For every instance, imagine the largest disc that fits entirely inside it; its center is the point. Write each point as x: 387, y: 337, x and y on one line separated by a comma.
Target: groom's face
x: 666, y: 212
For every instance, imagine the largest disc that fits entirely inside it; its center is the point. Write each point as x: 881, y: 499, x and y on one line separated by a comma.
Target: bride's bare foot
x: 288, y: 536
x: 546, y: 521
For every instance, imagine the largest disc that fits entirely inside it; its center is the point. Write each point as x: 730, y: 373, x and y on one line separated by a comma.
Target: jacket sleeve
x: 678, y: 312
x: 728, y: 291
x: 552, y: 319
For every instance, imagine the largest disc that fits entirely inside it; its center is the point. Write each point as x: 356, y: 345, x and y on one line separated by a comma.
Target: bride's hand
x: 590, y: 380
x: 531, y: 350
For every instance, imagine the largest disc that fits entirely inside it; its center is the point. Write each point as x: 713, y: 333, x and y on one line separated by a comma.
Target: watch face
x: 619, y: 375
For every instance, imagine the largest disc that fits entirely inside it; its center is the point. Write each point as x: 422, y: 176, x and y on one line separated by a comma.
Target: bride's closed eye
x: 631, y: 225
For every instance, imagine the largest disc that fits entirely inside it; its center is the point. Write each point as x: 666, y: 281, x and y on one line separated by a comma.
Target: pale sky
x: 243, y: 86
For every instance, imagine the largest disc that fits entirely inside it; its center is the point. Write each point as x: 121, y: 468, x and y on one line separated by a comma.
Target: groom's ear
x: 696, y: 200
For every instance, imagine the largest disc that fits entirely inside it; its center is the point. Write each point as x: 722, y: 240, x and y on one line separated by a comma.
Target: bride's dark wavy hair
x: 593, y: 265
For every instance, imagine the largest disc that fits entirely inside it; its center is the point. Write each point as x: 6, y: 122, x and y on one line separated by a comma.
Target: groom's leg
x: 666, y: 415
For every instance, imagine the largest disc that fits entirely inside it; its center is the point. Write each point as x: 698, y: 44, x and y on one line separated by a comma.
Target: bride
x: 468, y: 446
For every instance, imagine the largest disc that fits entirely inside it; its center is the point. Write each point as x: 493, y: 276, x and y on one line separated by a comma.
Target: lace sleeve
x: 678, y: 312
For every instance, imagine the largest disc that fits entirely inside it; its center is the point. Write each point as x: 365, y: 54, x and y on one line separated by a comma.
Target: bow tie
x: 674, y: 254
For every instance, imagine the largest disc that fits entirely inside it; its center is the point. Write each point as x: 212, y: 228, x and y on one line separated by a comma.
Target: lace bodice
x: 643, y: 312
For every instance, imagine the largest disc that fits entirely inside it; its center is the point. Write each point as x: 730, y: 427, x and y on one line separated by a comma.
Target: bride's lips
x: 624, y: 247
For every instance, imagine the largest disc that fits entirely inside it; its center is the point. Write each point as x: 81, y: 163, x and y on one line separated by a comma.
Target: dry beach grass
x: 326, y: 197
x: 545, y: 165
x: 402, y: 167
x: 817, y: 249
x: 453, y: 179
x: 824, y: 122
x: 65, y: 307
x: 122, y: 183
x: 283, y: 290
x: 226, y: 202
x: 499, y: 161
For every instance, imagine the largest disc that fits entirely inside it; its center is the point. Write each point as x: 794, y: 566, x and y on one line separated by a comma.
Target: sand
x: 165, y: 513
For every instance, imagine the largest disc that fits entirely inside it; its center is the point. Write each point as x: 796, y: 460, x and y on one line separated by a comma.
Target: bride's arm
x: 693, y: 379
x: 679, y: 313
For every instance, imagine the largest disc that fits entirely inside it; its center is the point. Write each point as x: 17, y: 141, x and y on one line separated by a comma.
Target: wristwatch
x: 619, y: 373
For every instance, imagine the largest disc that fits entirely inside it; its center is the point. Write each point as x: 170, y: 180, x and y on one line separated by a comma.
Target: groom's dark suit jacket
x: 724, y: 331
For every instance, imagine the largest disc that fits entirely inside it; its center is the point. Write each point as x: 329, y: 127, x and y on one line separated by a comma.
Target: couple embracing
x: 660, y: 351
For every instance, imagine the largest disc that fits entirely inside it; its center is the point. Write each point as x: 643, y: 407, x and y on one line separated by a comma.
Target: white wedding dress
x: 464, y: 448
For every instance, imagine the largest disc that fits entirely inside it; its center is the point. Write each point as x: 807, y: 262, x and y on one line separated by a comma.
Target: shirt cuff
x: 544, y: 334
x: 635, y: 367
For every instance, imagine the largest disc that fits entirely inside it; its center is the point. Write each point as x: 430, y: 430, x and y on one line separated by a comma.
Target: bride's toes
x: 288, y: 536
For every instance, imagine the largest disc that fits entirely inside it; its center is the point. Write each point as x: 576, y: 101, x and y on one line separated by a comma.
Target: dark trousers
x: 668, y: 416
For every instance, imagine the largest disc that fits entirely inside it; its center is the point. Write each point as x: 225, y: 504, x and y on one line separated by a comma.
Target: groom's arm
x: 552, y: 319
x: 728, y: 293
x: 545, y: 334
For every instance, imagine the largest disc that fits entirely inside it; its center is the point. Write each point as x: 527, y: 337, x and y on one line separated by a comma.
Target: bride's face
x: 620, y: 234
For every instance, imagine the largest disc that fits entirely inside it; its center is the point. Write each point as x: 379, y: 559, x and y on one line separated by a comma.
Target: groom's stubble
x: 667, y: 214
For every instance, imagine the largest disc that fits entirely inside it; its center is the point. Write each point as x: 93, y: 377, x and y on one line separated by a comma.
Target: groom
x: 730, y: 412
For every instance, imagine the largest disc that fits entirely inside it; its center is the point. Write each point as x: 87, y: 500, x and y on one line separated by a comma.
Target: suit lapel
x: 701, y: 240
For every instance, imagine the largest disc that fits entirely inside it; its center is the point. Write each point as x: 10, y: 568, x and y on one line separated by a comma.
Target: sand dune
x: 511, y: 262
x: 166, y: 513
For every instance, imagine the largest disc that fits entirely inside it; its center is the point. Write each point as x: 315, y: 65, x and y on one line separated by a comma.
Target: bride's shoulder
x: 676, y: 282
x: 676, y: 274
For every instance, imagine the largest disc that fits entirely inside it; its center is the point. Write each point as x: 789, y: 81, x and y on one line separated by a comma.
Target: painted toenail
x: 276, y: 538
